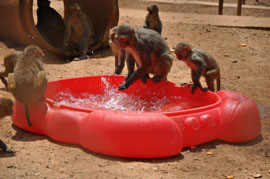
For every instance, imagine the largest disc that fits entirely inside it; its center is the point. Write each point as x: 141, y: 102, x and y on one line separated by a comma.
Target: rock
x: 257, y: 175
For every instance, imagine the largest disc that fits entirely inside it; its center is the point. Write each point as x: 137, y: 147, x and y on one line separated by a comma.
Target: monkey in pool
x: 150, y: 51
x: 79, y: 31
x: 201, y: 64
x: 28, y: 82
x: 9, y: 64
x: 6, y: 105
x: 152, y: 20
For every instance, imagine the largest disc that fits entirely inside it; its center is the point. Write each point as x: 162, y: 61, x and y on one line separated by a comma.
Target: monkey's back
x: 28, y: 89
x: 209, y: 59
x: 149, y: 40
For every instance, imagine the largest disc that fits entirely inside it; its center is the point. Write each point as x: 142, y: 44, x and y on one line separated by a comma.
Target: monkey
x: 152, y: 20
x: 6, y: 106
x: 201, y: 64
x: 150, y: 51
x: 28, y: 82
x: 79, y: 31
x: 50, y: 23
x: 9, y: 64
x: 120, y: 55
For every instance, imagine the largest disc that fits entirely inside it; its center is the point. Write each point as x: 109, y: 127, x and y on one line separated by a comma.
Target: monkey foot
x: 81, y: 58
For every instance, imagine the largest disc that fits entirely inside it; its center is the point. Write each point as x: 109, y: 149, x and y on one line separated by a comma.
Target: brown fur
x: 28, y: 82
x: 9, y: 64
x: 201, y: 64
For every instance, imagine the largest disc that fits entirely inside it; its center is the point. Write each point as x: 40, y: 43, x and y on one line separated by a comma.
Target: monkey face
x: 124, y: 35
x: 179, y: 54
x: 74, y: 10
x: 153, y: 10
x: 122, y: 42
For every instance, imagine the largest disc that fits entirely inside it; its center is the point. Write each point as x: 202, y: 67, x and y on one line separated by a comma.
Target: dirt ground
x: 245, y: 70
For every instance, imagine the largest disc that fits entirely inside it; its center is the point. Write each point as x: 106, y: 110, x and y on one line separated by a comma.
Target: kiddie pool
x: 224, y: 115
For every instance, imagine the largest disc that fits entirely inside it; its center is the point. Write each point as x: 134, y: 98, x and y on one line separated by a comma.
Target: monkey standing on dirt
x: 150, y: 51
x: 28, y: 82
x: 9, y: 64
x: 79, y: 31
x: 152, y: 20
x: 5, y: 110
x: 201, y: 64
x: 50, y: 23
x: 120, y: 55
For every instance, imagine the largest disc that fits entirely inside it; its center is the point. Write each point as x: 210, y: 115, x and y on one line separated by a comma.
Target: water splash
x: 113, y: 99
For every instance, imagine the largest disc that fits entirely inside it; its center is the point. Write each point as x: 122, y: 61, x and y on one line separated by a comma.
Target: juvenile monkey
x: 5, y: 110
x: 9, y: 64
x: 201, y: 64
x: 79, y: 31
x: 119, y: 54
x: 152, y: 20
x: 28, y: 82
x: 150, y: 51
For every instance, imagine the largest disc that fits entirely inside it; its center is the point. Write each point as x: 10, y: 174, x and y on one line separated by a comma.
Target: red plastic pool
x: 224, y: 115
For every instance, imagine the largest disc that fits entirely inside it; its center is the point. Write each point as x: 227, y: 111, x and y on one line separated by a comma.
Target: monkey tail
x: 27, y: 115
x: 218, y: 84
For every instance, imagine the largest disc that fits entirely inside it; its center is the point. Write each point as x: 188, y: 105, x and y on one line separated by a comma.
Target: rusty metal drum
x: 17, y: 22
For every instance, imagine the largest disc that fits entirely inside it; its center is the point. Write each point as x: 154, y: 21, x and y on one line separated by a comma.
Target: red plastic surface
x: 225, y: 115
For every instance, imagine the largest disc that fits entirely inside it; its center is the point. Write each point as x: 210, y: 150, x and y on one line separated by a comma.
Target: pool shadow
x: 213, y: 144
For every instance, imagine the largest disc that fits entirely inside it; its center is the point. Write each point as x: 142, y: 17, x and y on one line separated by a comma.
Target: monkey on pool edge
x: 201, y: 64
x: 149, y: 50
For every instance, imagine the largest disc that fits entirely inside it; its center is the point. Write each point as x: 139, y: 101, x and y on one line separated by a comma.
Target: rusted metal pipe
x: 17, y: 22
x: 239, y: 7
x: 220, y: 7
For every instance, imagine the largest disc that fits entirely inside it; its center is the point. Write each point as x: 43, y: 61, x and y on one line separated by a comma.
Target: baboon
x: 5, y: 110
x: 79, y: 31
x: 28, y: 82
x: 152, y: 20
x: 150, y: 51
x: 201, y: 64
x: 9, y: 64
x: 50, y: 24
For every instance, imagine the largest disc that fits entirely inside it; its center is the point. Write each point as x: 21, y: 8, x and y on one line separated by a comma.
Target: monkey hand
x: 11, y: 81
x: 194, y: 86
x: 123, y: 86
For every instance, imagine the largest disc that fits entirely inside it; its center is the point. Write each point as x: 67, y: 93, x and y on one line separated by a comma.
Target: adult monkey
x: 79, y: 31
x: 149, y: 50
x: 28, y: 82
x: 201, y: 64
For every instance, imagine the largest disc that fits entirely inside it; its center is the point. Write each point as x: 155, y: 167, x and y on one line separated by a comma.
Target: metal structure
x: 17, y: 23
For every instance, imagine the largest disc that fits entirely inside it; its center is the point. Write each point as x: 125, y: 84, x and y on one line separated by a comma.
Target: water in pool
x: 114, y: 100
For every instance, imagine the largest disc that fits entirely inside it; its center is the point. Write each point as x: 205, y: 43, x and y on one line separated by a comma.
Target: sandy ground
x: 245, y: 70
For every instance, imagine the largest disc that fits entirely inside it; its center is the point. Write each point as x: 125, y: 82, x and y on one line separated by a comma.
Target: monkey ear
x: 133, y: 30
x: 187, y: 48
